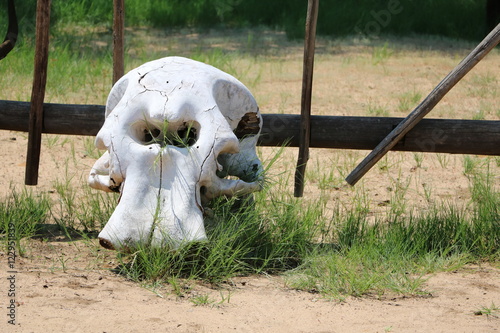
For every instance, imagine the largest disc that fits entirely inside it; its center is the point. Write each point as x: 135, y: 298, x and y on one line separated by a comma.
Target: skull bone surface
x: 174, y: 129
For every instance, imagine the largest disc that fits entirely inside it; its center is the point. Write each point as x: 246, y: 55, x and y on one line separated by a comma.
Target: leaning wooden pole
x: 305, y: 106
x: 118, y: 39
x: 426, y: 106
x: 38, y: 91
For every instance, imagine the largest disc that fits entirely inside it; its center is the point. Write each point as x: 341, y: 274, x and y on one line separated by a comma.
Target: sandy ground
x: 70, y: 286
x: 99, y: 301
x: 85, y: 296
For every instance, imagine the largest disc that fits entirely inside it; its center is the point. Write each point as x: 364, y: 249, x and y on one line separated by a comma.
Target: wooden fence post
x: 38, y: 91
x: 118, y: 39
x: 305, y: 107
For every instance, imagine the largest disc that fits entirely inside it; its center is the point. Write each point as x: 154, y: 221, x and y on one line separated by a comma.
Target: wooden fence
x: 379, y: 134
x: 430, y: 135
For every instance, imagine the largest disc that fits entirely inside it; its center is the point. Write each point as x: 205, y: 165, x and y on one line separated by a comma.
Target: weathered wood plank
x: 73, y: 119
x: 38, y: 91
x: 455, y: 136
x: 305, y: 104
x: 118, y: 39
x: 480, y: 137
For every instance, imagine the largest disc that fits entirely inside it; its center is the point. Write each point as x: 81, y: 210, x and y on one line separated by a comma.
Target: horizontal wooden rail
x: 72, y: 119
x: 481, y: 137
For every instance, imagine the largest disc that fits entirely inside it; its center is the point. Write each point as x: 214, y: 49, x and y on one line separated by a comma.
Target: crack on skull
x: 198, y: 200
x: 179, y: 86
x: 142, y: 77
x: 146, y: 89
x: 157, y: 212
x: 116, y: 187
x: 210, y: 109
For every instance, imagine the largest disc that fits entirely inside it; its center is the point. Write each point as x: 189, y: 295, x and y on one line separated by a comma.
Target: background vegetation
x: 464, y: 19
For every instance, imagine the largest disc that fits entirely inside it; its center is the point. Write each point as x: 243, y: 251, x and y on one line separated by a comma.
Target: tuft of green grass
x: 381, y: 54
x: 486, y: 200
x: 484, y: 86
x: 489, y: 311
x: 470, y: 164
x: 21, y: 215
x: 377, y: 111
x: 82, y: 209
x: 201, y: 300
x: 443, y: 160
x: 408, y: 101
x: 399, y: 189
x: 393, y: 256
x: 206, y: 300
x: 356, y: 273
x: 419, y: 158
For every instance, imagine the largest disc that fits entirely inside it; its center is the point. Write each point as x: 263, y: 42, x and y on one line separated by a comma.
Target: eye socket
x: 151, y: 135
x: 186, y: 135
x: 248, y: 125
x: 181, y: 136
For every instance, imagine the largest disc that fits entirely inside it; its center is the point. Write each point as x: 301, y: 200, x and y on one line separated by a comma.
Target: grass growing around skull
x: 337, y: 252
x: 338, y: 255
x: 255, y: 234
x: 236, y: 246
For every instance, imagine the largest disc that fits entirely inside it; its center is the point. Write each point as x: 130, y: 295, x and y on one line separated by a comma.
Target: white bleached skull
x: 174, y: 128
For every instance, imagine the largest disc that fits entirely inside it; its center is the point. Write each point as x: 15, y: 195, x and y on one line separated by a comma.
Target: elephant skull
x: 174, y: 129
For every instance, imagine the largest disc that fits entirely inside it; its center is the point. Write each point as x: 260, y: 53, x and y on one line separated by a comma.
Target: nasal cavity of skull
x: 181, y: 135
x: 248, y: 125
